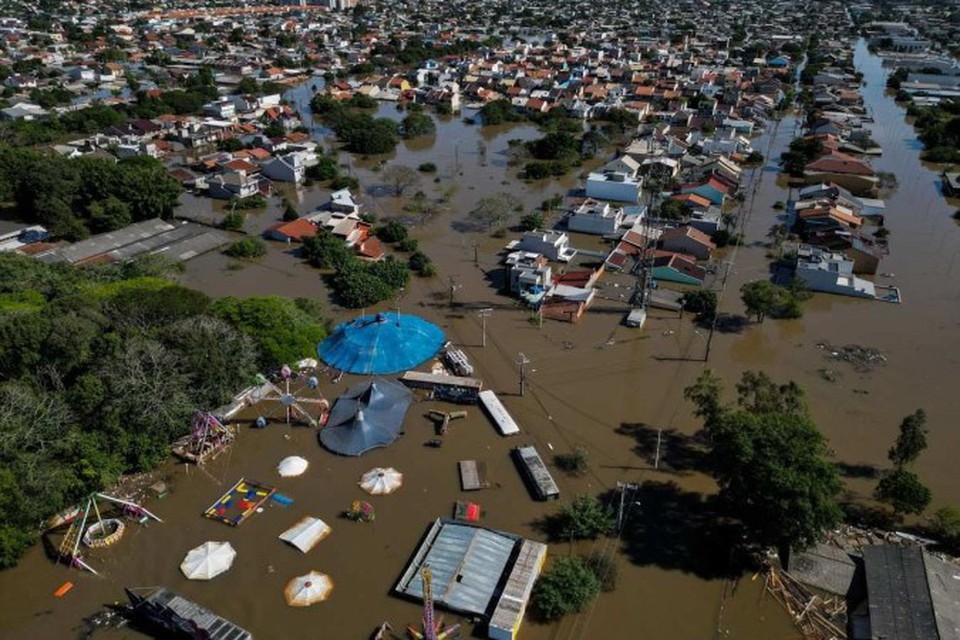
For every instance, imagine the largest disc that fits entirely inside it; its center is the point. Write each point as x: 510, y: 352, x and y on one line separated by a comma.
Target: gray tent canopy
x: 367, y: 416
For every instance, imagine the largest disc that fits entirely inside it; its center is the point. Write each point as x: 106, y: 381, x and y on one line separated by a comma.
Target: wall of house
x: 616, y: 191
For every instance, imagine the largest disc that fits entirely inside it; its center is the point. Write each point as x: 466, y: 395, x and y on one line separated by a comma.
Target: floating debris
x: 828, y: 374
x: 863, y: 359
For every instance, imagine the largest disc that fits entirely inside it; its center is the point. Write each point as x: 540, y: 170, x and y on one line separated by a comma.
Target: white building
x: 614, y: 186
x: 555, y: 245
x: 829, y: 272
x: 595, y: 217
x: 528, y: 276
x: 286, y: 168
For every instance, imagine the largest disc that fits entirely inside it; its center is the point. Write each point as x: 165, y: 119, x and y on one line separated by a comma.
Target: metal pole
x: 656, y: 461
x: 484, y: 314
x: 522, y: 360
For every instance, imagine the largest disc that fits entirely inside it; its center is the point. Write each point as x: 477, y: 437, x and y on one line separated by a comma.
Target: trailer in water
x: 498, y: 413
x: 535, y: 472
x: 181, y: 618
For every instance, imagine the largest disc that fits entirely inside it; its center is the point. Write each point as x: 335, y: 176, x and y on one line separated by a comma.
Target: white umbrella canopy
x: 292, y: 466
x: 208, y: 560
x: 307, y: 589
x: 381, y: 481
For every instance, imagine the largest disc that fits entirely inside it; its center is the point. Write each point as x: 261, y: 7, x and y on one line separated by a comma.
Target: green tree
x: 702, y: 302
x: 532, y: 221
x: 946, y: 525
x: 584, y: 518
x: 759, y: 297
x: 903, y: 491
x: 289, y: 211
x: 769, y: 460
x: 392, y: 231
x: 359, y: 288
x: 417, y: 124
x: 247, y: 248
x: 282, y: 331
x: 912, y: 439
x: 327, y: 251
x: 564, y: 588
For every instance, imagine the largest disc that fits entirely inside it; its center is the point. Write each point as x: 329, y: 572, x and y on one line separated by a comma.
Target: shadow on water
x: 681, y: 530
x: 858, y: 470
x: 680, y: 453
x: 731, y: 323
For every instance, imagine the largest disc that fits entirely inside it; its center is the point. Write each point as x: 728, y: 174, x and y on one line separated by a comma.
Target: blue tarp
x: 367, y: 416
x: 381, y: 344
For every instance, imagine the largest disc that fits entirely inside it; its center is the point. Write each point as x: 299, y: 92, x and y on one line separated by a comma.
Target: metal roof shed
x: 467, y: 563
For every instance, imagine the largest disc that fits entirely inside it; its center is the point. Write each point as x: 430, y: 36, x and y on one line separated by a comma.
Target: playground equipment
x: 207, y: 439
x: 431, y: 629
x: 240, y: 502
x: 290, y: 398
x: 103, y: 533
x: 441, y: 419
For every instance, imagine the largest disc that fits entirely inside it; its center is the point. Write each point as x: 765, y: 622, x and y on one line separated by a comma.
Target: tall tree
x: 903, y: 490
x: 759, y: 297
x: 911, y: 441
x: 769, y: 460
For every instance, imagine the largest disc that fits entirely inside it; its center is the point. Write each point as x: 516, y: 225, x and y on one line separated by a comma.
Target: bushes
x: 233, y: 221
x: 392, y: 231
x: 417, y: 124
x: 361, y: 132
x: 532, y: 221
x: 574, y: 463
x: 326, y: 169
x: 250, y: 202
x: 247, y: 248
x: 564, y: 588
x: 427, y: 167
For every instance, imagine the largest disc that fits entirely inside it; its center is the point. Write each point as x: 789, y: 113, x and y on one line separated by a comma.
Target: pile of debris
x: 817, y: 617
x: 863, y: 359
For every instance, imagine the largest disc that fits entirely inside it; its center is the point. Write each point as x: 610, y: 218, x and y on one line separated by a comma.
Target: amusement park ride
x: 102, y: 533
x: 290, y: 398
x: 431, y: 629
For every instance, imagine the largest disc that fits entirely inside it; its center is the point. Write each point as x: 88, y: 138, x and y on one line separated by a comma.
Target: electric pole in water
x: 484, y: 314
x: 523, y: 361
x: 454, y: 287
x: 623, y: 487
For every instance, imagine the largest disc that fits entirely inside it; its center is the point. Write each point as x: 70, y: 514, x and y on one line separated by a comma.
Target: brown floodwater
x: 596, y: 384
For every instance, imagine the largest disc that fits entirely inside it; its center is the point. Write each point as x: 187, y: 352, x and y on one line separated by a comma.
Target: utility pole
x: 484, y: 314
x: 522, y: 360
x: 656, y: 460
x: 476, y: 253
x: 623, y: 487
x: 454, y: 287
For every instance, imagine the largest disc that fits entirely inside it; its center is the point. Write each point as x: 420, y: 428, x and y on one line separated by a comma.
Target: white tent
x: 208, y: 560
x: 292, y: 466
x: 307, y: 533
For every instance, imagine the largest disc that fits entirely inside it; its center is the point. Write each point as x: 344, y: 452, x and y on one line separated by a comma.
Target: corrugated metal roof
x: 467, y: 564
x: 900, y: 603
x: 943, y: 580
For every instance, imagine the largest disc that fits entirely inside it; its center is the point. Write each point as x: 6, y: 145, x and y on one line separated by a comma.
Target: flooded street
x: 597, y: 384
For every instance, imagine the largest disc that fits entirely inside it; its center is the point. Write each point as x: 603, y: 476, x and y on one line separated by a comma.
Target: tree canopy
x: 102, y: 367
x: 75, y: 197
x: 564, y: 588
x: 769, y: 460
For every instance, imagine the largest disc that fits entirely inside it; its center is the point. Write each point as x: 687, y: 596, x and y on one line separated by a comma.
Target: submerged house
x: 823, y: 270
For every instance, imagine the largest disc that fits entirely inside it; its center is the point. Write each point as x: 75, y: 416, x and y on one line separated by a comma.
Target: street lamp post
x: 484, y: 314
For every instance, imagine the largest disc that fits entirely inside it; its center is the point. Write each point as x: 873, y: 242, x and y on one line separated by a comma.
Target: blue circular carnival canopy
x: 381, y: 344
